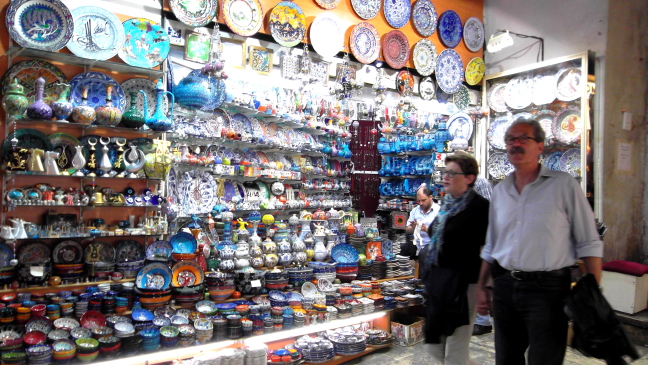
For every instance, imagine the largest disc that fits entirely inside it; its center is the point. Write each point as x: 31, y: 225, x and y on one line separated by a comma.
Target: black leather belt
x: 498, y: 270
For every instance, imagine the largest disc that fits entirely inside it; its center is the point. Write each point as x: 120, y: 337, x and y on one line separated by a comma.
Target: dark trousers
x: 529, y: 314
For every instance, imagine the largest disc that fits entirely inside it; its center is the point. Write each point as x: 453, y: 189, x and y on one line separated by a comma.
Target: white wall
x: 567, y: 26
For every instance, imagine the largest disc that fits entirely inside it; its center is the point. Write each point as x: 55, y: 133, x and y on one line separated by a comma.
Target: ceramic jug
x: 14, y: 101
x: 62, y: 108
x: 193, y: 91
x: 78, y: 161
x: 83, y: 113
x: 159, y: 122
x: 108, y: 114
x: 39, y: 110
x: 133, y: 117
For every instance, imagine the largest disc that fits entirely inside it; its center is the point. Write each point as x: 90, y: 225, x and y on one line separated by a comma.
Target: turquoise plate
x: 183, y: 242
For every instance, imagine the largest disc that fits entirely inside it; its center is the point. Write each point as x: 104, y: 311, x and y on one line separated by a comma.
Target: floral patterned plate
x: 449, y: 71
x: 424, y: 17
x: 129, y: 251
x: 545, y: 118
x: 187, y: 273
x: 552, y: 161
x: 450, y: 28
x: 40, y: 24
x: 496, y: 132
x: 28, y: 71
x: 395, y: 49
x: 569, y: 84
x: 473, y: 34
x: 154, y: 276
x: 397, y: 12
x: 366, y: 9
x: 99, y: 252
x: 496, y: 98
x: 68, y: 252
x: 328, y: 4
x: 243, y: 17
x: 519, y: 92
x: 499, y: 166
x: 475, y: 71
x: 427, y: 87
x: 461, y: 98
x: 35, y: 252
x: 159, y: 251
x: 365, y: 42
x: 96, y: 83
x: 544, y: 90
x: 147, y: 44
x: 570, y: 162
x: 460, y: 125
x: 567, y: 126
x: 425, y: 57
x: 194, y: 13
x: 287, y: 24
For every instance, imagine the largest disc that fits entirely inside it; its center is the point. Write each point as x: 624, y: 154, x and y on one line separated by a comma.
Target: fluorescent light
x: 497, y: 43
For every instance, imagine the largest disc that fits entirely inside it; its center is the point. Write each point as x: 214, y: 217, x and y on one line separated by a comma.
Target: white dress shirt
x: 546, y: 227
x: 417, y: 215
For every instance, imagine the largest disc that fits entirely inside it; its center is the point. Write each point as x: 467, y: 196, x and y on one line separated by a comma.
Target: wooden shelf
x: 62, y: 287
x: 397, y: 278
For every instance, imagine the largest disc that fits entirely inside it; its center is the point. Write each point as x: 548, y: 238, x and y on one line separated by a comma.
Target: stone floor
x: 482, y: 351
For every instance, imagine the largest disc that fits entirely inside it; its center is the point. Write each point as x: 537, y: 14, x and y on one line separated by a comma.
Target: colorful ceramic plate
x: 328, y: 4
x: 98, y: 33
x: 461, y: 98
x: 567, y: 126
x: 28, y: 71
x: 496, y: 132
x: 473, y: 34
x: 544, y: 90
x: 6, y: 255
x: 35, y: 252
x: 27, y: 138
x: 99, y: 251
x: 187, y: 273
x: 496, y: 98
x: 68, y: 252
x: 545, y: 118
x: 146, y: 85
x: 518, y: 93
x: 147, y: 44
x: 450, y: 29
x: 159, y: 251
x: 395, y: 49
x: 183, y: 242
x: 287, y: 24
x: 366, y: 9
x: 397, y: 12
x: 243, y: 17
x: 96, y: 83
x: 460, y: 125
x: 552, y: 162
x: 427, y: 88
x: 327, y: 34
x: 65, y: 145
x: 404, y: 81
x: 499, y: 166
x: 92, y: 319
x: 129, y: 251
x: 425, y: 57
x: 40, y: 24
x: 194, y: 13
x: 154, y: 276
x: 475, y: 71
x: 449, y: 71
x: 365, y: 42
x: 570, y: 162
x: 569, y: 84
x: 424, y: 17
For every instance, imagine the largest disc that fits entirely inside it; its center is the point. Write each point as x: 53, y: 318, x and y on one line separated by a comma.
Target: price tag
x: 255, y: 283
x: 37, y: 271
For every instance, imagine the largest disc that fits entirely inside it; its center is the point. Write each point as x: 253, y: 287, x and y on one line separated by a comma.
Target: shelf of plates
x: 553, y: 92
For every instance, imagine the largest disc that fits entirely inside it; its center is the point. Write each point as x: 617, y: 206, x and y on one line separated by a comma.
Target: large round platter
x: 498, y: 166
x: 404, y: 81
x: 449, y: 71
x: 40, y: 24
x: 427, y: 88
x: 496, y: 132
x: 183, y: 242
x: 519, y: 92
x: 397, y: 12
x: 496, y: 99
x: 27, y: 138
x: 159, y: 251
x: 552, y: 161
x: 187, y: 273
x: 425, y: 57
x: 395, y: 49
x: 154, y: 276
x: 6, y: 255
x: 243, y: 17
x: 450, y: 29
x: 147, y: 43
x: 287, y: 24
x: 96, y: 83
x: 202, y: 193
x: 569, y: 84
x: 473, y: 34
x: 327, y: 34
x: 365, y: 42
x: 194, y: 13
x: 68, y: 252
x: 129, y: 251
x: 28, y: 71
x: 146, y: 85
x: 545, y: 118
x: 328, y: 4
x: 475, y: 71
x: 461, y: 98
x: 570, y: 162
x: 34, y: 252
x: 460, y: 125
x: 98, y: 33
x: 544, y: 90
x: 366, y: 9
x: 65, y: 145
x: 567, y: 126
x: 424, y: 17
x: 519, y: 116
x: 99, y: 251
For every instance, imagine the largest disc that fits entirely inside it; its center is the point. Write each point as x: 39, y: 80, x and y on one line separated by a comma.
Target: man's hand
x: 410, y: 229
x: 484, y: 301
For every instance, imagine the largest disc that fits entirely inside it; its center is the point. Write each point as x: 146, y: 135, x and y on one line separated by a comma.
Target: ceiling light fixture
x: 502, y: 39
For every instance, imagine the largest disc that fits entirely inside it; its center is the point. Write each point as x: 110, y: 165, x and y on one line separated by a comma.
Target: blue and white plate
x: 499, y: 166
x: 98, y: 34
x: 40, y: 24
x: 96, y: 83
x: 159, y: 251
x: 570, y: 162
x: 496, y: 132
x: 450, y: 29
x: 473, y: 34
x: 552, y: 161
x: 397, y: 12
x: 147, y: 44
x: 183, y: 242
x: 388, y: 250
x: 344, y: 253
x: 129, y: 251
x: 366, y: 9
x: 424, y: 17
x: 6, y: 255
x: 154, y: 276
x: 449, y: 71
x: 460, y: 125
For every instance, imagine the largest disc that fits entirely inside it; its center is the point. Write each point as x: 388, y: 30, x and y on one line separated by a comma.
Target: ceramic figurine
x: 83, y: 113
x: 108, y: 114
x: 39, y: 110
x: 14, y: 101
x: 441, y: 136
x: 159, y: 122
x: 62, y: 108
x: 133, y: 117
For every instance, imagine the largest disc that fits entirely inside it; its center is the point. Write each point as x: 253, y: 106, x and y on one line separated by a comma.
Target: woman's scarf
x: 450, y: 208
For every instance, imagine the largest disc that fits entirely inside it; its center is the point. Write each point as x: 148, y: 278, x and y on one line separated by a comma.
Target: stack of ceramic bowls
x: 123, y: 329
x: 131, y: 345
x: 169, y: 336
x: 344, y: 311
x: 379, y: 301
x: 188, y: 296
x: 220, y: 285
x: 150, y: 339
x: 127, y: 291
x: 365, y: 272
x: 246, y: 281
x: 80, y: 332
x: 204, y: 330
x: 32, y: 338
x: 323, y: 270
x: 11, y: 339
x: 109, y: 347
x: 56, y: 335
x: 347, y: 342
x: 256, y: 354
x: 234, y: 327
x: 142, y: 319
x: 101, y: 332
x: 80, y: 307
x: 298, y: 276
x: 404, y: 265
x: 130, y: 269
x: 277, y: 299
x: 276, y: 279
x: 64, y: 351
x: 22, y: 315
x: 111, y: 321
x: 346, y: 272
x: 87, y: 349
x: 220, y: 329
x: 14, y: 358
x: 53, y: 311
x: 186, y: 335
x: 68, y: 271
x: 315, y: 349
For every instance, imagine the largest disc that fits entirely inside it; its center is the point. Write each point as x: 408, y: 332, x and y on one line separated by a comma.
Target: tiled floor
x: 482, y: 351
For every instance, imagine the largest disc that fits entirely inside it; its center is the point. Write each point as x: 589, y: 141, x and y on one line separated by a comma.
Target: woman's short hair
x: 466, y: 162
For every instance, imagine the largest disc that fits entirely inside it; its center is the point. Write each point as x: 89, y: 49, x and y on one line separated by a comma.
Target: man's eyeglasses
x: 452, y: 174
x: 522, y: 139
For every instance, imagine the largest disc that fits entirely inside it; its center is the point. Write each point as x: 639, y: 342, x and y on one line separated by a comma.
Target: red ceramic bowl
x: 34, y: 338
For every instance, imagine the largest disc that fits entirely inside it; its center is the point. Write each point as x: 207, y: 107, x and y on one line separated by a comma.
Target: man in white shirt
x: 425, y: 213
x: 539, y: 223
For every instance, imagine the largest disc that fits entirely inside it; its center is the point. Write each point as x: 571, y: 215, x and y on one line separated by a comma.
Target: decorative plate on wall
x: 473, y: 34
x: 424, y: 17
x: 496, y: 132
x: 496, y: 98
x: 569, y: 84
x: 461, y: 98
x: 366, y: 9
x: 397, y: 12
x: 475, y: 71
x: 425, y: 57
x: 552, y: 161
x: 544, y: 89
x: 427, y: 88
x: 146, y: 85
x: 570, y: 162
x: 545, y: 118
x: 194, y: 13
x: 243, y: 17
x: 499, y: 166
x: 327, y: 34
x: 147, y: 44
x: 98, y: 34
x: 450, y: 29
x: 96, y: 83
x: 404, y: 80
x: 518, y: 93
x: 287, y: 24
x: 365, y: 42
x: 396, y: 49
x: 40, y: 24
x: 449, y: 71
x: 461, y: 125
x: 28, y: 71
x: 328, y: 4
x: 567, y: 126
